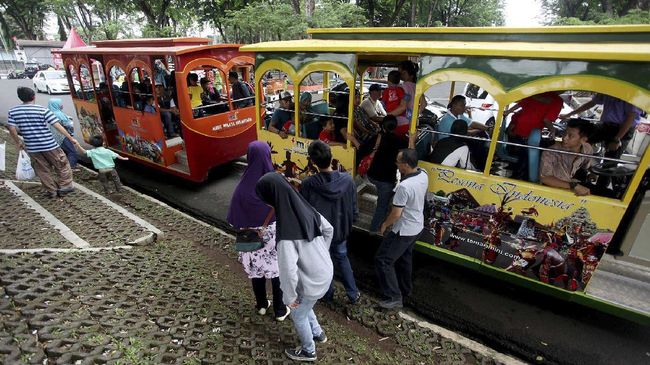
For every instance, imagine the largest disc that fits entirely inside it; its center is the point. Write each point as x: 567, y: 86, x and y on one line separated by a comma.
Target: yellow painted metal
x: 638, y: 28
x: 575, y: 51
x: 261, y: 70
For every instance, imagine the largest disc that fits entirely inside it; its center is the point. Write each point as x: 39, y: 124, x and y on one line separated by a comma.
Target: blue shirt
x: 444, y: 125
x: 33, y: 122
x: 102, y: 157
x: 615, y: 110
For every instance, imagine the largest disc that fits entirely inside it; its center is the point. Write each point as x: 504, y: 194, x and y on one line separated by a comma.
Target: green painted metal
x: 546, y: 289
x: 299, y: 59
x: 622, y: 37
x: 513, y: 72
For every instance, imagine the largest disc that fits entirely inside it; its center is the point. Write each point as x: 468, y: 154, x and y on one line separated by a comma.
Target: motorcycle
x: 16, y: 75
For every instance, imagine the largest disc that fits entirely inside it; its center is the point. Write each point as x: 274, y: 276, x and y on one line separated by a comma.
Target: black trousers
x: 394, y: 265
x: 259, y: 289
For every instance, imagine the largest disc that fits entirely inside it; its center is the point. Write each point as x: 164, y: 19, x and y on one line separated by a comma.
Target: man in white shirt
x: 372, y: 106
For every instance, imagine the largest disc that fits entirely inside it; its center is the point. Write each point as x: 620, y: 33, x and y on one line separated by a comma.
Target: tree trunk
x: 430, y: 15
x: 310, y: 6
x: 398, y: 7
x: 413, y: 7
x: 62, y: 31
x: 371, y: 12
x: 296, y: 6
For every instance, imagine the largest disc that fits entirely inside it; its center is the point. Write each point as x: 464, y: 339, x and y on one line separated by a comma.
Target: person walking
x: 303, y: 240
x: 248, y: 211
x: 48, y: 159
x: 334, y: 196
x: 401, y: 229
x: 55, y: 105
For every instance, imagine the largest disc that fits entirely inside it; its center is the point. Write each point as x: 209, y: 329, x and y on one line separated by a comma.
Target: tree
x: 338, y: 14
x: 28, y: 15
x: 581, y: 12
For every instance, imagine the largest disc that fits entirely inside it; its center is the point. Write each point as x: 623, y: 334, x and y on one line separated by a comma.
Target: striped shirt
x: 33, y: 122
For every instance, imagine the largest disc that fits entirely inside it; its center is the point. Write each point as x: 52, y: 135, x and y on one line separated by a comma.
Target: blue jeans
x: 384, y: 194
x: 70, y: 152
x: 339, y: 255
x: 167, y: 122
x: 306, y: 324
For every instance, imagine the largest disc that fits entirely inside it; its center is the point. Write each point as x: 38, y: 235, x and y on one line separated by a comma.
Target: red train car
x: 167, y: 103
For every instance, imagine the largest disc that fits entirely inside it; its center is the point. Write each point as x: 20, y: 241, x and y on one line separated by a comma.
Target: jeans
x: 70, y: 152
x: 393, y: 262
x: 259, y: 289
x: 167, y: 122
x: 306, y: 324
x: 339, y: 255
x: 384, y: 194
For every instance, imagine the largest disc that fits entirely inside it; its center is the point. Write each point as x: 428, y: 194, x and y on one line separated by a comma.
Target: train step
x: 181, y: 158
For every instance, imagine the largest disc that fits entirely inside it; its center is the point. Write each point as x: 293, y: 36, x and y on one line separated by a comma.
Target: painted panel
x: 544, y: 234
x: 141, y: 135
x: 89, y: 119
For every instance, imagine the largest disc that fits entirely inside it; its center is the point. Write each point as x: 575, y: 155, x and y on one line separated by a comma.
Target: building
x: 38, y: 51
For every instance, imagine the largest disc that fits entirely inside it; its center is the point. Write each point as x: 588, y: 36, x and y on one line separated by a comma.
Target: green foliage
x: 27, y: 17
x: 337, y: 14
x: 590, y: 12
x: 270, y: 23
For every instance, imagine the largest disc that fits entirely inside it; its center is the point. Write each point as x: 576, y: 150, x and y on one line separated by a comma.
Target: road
x: 508, y: 318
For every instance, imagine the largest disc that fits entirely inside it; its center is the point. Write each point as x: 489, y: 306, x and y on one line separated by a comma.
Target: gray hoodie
x: 306, y: 269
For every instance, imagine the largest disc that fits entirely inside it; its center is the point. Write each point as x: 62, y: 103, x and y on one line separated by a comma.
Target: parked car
x: 15, y: 74
x: 51, y: 82
x: 31, y: 69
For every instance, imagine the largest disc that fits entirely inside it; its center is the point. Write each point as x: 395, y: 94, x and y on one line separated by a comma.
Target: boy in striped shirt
x: 48, y: 159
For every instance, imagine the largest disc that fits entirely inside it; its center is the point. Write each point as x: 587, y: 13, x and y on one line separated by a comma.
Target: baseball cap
x: 285, y: 95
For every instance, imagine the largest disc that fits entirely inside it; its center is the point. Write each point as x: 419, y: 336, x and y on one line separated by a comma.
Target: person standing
x: 401, y: 229
x: 303, y: 239
x: 334, y: 196
x: 55, y: 105
x: 248, y: 211
x: 48, y: 159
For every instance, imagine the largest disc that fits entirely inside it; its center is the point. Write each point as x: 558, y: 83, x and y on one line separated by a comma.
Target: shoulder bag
x: 250, y: 239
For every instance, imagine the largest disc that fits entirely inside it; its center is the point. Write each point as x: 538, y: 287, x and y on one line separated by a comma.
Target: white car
x: 51, y: 82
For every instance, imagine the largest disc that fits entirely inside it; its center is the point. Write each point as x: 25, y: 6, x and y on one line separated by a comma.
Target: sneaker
x: 282, y: 318
x: 356, y: 298
x: 262, y: 311
x: 65, y: 191
x: 299, y: 354
x: 390, y: 304
x: 50, y: 195
x: 320, y: 338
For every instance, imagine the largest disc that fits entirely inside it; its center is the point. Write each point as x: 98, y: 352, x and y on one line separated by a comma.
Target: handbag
x: 250, y: 239
x: 364, y: 165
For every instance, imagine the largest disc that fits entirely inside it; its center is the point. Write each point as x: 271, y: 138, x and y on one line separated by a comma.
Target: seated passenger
x: 561, y: 170
x: 210, y: 96
x: 240, y: 94
x: 126, y: 96
x: 327, y: 134
x: 456, y: 110
x: 394, y: 102
x: 167, y: 111
x: 195, y: 92
x: 371, y: 106
x: 453, y: 151
x: 148, y: 106
x: 282, y: 114
x: 535, y: 112
x: 365, y: 129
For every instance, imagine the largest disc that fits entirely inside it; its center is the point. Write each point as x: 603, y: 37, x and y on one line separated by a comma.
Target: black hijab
x: 450, y: 144
x: 295, y: 218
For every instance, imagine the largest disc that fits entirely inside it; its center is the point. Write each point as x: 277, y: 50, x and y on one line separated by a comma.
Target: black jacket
x: 334, y: 196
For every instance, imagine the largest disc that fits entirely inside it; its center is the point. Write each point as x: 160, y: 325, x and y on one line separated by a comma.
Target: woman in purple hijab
x: 248, y: 211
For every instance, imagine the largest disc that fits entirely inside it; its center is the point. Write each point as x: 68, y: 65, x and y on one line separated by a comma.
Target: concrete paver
x: 182, y: 299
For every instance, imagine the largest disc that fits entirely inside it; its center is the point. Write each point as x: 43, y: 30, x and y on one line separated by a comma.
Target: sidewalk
x: 87, y: 281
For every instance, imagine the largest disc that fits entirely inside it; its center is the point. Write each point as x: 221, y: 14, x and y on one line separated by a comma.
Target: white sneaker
x: 280, y: 319
x: 262, y: 311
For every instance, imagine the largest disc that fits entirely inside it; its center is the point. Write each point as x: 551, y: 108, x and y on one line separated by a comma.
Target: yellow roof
x: 572, y: 51
x: 632, y: 28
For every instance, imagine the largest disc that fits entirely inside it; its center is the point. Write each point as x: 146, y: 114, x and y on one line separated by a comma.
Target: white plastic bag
x: 2, y: 156
x: 24, y: 170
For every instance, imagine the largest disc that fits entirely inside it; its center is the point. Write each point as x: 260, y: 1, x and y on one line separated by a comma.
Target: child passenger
x: 328, y: 134
x: 102, y: 159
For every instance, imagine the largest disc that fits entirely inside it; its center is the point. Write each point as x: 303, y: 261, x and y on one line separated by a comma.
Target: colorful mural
x: 555, y: 239
x: 89, y: 121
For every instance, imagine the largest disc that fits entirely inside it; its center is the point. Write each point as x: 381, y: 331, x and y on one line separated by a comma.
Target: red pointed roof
x: 74, y: 40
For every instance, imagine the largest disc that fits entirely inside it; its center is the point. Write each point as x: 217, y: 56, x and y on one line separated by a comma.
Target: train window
x: 242, y: 94
x: 279, y: 103
x: 87, y: 89
x: 74, y: 80
x: 206, y: 91
x: 119, y: 87
x: 316, y: 120
x: 98, y: 76
x: 572, y: 140
x: 458, y: 134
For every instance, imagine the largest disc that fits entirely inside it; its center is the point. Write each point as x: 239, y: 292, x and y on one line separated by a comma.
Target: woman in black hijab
x: 303, y: 238
x: 453, y: 151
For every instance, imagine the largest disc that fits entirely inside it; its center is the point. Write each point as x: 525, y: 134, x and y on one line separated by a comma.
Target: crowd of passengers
x: 381, y: 123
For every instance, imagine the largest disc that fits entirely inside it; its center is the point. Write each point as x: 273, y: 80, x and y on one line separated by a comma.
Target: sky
x: 523, y: 13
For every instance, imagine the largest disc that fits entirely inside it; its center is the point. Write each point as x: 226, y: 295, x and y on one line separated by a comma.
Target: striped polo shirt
x: 32, y: 121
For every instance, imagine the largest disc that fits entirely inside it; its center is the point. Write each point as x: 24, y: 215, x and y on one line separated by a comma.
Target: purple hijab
x: 246, y: 208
